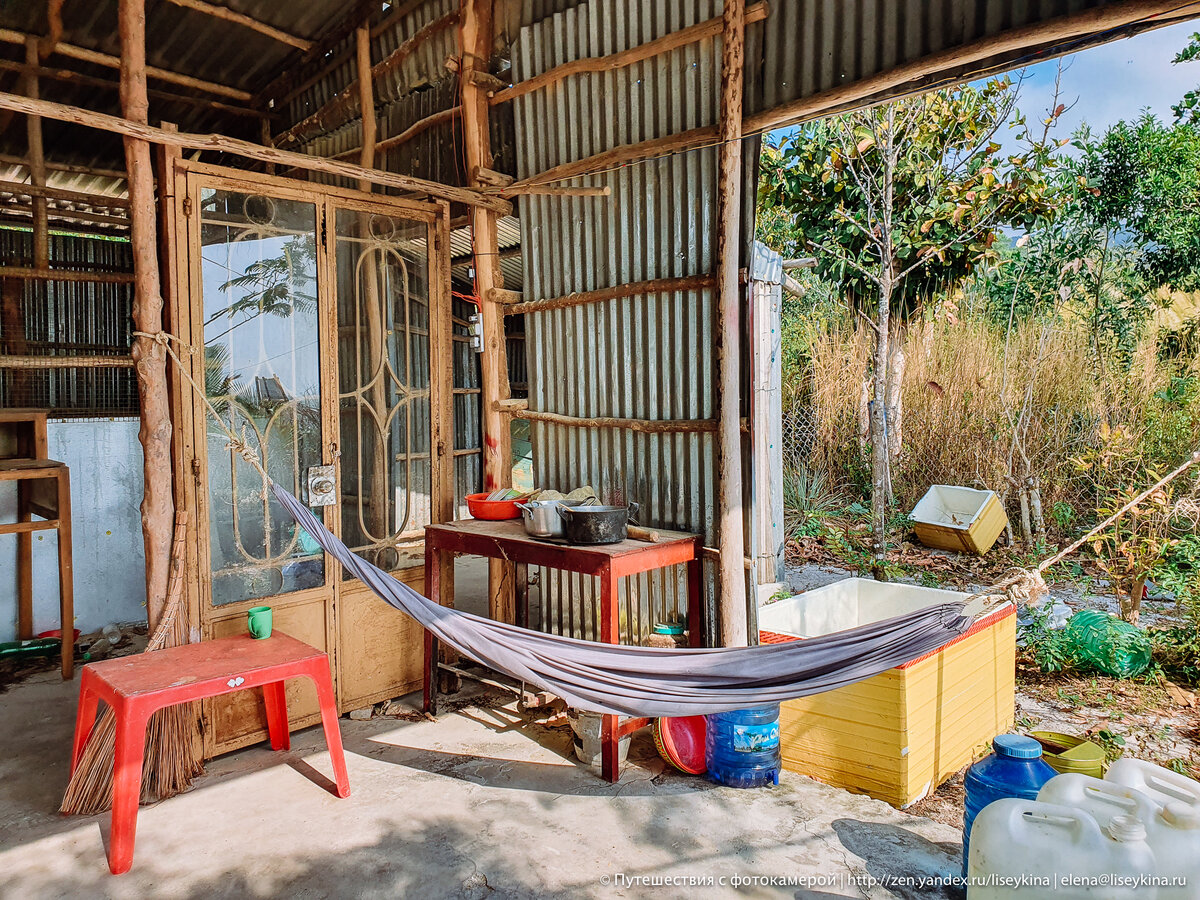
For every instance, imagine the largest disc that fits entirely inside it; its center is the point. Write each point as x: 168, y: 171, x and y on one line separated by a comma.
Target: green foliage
x: 927, y: 169
x: 1177, y: 652
x: 1188, y: 109
x: 1144, y: 178
x: 1179, y: 572
x: 808, y: 503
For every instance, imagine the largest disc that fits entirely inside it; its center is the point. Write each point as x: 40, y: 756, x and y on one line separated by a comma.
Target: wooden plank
x: 238, y: 147
x: 10, y: 159
x: 11, y: 361
x: 690, y: 35
x: 40, y: 190
x: 150, y: 360
x: 230, y: 15
x: 109, y: 61
x: 35, y: 274
x: 633, y: 289
x: 732, y: 615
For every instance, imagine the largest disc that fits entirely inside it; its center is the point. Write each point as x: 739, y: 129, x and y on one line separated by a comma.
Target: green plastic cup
x: 258, y: 622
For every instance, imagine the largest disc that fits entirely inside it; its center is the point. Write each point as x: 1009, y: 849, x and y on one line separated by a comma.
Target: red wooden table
x: 137, y: 686
x: 610, y: 562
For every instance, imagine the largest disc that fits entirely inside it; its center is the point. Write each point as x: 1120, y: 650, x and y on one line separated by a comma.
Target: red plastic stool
x: 139, y: 685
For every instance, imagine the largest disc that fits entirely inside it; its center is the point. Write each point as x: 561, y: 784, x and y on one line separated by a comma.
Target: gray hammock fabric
x: 648, y: 681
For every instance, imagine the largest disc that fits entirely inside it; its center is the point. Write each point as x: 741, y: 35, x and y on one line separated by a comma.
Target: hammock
x: 648, y: 681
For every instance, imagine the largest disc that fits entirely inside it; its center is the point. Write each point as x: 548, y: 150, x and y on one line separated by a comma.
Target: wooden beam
x: 497, y: 295
x: 673, y: 41
x: 37, y: 273
x: 229, y: 15
x: 634, y: 289
x: 366, y: 101
x: 70, y: 76
x: 14, y: 160
x: 475, y: 47
x: 37, y: 164
x: 644, y: 426
x: 623, y: 155
x: 547, y: 190
x: 342, y: 101
x: 33, y: 190
x: 150, y: 360
x: 222, y: 143
x: 26, y: 363
x: 108, y: 61
x: 393, y: 18
x: 359, y: 13
x: 1052, y: 31
x: 68, y: 216
x: 433, y: 119
x: 732, y: 615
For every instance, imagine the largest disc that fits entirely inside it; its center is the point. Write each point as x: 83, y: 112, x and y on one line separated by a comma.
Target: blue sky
x: 1115, y: 81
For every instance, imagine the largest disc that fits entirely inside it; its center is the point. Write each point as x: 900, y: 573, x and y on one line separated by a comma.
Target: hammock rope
x: 648, y: 681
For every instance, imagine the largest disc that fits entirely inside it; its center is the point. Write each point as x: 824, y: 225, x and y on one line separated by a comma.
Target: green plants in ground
x: 1177, y: 652
x: 808, y: 503
x: 1111, y: 742
x: 1179, y: 572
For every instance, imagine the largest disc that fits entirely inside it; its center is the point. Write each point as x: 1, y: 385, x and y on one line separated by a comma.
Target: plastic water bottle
x: 741, y: 748
x: 1029, y: 850
x: 1172, y: 829
x: 1015, y: 770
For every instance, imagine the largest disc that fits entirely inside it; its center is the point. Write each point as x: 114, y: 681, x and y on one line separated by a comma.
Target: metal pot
x: 596, y: 524
x: 543, y: 518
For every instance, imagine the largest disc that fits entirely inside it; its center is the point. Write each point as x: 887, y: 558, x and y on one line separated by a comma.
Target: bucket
x: 1070, y: 755
x: 741, y: 748
x: 585, y: 727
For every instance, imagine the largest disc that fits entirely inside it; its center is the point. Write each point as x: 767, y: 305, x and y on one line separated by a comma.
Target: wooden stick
x: 648, y: 535
x: 690, y: 35
x: 549, y: 191
x: 634, y: 289
x: 498, y: 295
x: 645, y: 426
x: 366, y: 102
x: 437, y: 118
x: 12, y: 159
x: 108, y: 61
x: 229, y: 15
x: 158, y: 503
x: 732, y: 617
x: 37, y: 165
x: 43, y: 274
x: 341, y: 101
x: 9, y: 361
x: 70, y: 76
x: 33, y: 190
x: 625, y: 153
x: 222, y: 143
x: 66, y: 215
x: 1052, y: 31
x: 322, y: 51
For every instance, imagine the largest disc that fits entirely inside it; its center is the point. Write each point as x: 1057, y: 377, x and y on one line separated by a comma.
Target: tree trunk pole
x: 37, y: 161
x: 158, y: 506
x: 732, y: 618
x: 475, y: 43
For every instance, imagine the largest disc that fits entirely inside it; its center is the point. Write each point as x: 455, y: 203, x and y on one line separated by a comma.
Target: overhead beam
x: 13, y: 159
x: 246, y: 149
x: 322, y: 50
x: 1052, y: 31
x: 229, y: 15
x: 36, y: 190
x: 109, y: 61
x: 37, y: 163
x: 68, y: 216
x: 633, y: 289
x: 673, y: 41
x: 35, y: 273
x: 643, y: 426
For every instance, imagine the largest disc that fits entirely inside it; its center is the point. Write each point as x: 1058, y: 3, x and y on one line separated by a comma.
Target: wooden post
x: 37, y: 162
x: 475, y: 42
x: 366, y: 100
x: 732, y: 621
x: 158, y: 506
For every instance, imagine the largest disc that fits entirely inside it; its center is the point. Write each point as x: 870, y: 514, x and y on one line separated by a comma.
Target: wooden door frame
x: 184, y: 178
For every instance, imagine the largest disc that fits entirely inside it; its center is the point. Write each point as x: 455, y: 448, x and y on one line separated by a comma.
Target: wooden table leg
x: 695, y: 594
x: 24, y: 565
x: 610, y: 633
x: 127, y: 784
x: 433, y: 578
x: 66, y: 578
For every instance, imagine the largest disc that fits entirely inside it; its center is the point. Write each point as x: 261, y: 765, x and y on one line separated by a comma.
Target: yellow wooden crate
x: 958, y: 518
x: 900, y: 734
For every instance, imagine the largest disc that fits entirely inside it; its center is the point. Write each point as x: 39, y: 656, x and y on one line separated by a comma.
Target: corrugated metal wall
x: 647, y: 357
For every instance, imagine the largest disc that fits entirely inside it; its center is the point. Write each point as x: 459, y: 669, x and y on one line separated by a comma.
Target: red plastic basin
x: 680, y: 741
x: 493, y: 510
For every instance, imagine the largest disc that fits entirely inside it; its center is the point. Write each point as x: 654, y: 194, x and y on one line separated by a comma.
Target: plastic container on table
x: 1172, y: 828
x: 741, y: 748
x: 481, y: 507
x: 1029, y: 850
x: 1015, y: 770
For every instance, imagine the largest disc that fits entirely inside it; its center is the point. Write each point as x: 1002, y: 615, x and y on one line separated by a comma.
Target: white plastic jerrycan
x: 1174, y: 833
x: 1029, y: 850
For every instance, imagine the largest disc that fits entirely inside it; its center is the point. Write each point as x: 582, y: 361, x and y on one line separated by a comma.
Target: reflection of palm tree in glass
x: 279, y: 286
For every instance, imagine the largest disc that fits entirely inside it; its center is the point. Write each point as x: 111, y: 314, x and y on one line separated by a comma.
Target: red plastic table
x: 137, y: 686
x: 508, y: 540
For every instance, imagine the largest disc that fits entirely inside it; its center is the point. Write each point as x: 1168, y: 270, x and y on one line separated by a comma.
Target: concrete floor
x: 478, y: 804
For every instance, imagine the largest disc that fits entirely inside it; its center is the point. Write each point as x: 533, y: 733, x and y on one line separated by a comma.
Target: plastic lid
x: 1126, y: 828
x: 1016, y: 746
x: 1181, y: 815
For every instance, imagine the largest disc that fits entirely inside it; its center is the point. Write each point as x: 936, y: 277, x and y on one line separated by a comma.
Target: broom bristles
x: 172, y: 739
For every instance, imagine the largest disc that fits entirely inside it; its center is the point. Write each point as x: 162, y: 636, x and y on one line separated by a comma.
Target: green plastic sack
x: 1099, y: 641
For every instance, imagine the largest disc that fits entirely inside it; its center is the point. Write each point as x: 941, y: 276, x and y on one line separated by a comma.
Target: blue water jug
x: 1015, y: 769
x: 741, y: 748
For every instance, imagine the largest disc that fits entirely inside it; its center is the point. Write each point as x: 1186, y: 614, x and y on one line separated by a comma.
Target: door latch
x: 321, y: 485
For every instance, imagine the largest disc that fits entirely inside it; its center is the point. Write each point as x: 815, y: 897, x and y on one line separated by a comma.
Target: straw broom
x: 172, y: 739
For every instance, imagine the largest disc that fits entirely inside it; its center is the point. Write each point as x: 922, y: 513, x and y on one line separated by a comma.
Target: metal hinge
x: 187, y: 207
x: 196, y: 469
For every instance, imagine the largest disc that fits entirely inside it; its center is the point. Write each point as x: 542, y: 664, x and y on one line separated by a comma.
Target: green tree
x: 897, y: 202
x: 1187, y: 110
